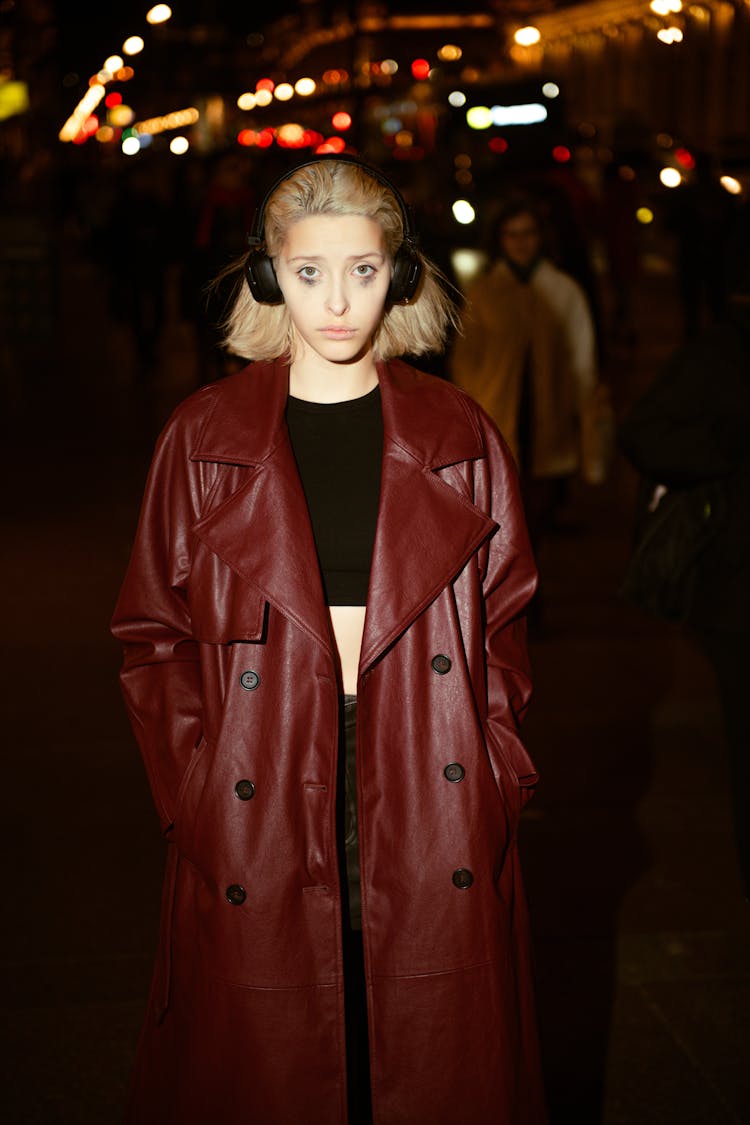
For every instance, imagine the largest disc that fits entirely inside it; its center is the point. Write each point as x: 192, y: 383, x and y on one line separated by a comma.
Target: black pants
x: 355, y: 992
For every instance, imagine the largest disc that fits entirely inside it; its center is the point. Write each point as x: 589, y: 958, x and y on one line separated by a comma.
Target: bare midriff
x: 348, y: 623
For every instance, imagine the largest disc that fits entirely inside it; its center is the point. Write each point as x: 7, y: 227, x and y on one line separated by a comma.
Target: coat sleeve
x: 509, y: 582
x: 161, y: 677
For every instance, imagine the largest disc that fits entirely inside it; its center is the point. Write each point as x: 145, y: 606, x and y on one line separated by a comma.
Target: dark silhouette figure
x: 691, y: 427
x: 701, y: 214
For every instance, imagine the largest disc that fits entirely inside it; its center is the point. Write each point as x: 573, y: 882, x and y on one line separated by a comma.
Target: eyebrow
x: 350, y: 258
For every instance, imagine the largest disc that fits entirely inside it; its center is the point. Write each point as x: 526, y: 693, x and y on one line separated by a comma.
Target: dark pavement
x: 642, y: 933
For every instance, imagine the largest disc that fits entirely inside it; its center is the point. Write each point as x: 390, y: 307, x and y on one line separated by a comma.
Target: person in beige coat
x: 528, y: 356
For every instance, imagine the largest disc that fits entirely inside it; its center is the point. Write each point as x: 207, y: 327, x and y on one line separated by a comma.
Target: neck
x: 318, y: 380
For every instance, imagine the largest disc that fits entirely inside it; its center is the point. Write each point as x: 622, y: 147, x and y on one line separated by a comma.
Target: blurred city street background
x: 641, y: 930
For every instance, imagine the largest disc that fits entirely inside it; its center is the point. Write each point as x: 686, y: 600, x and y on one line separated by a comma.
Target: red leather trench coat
x: 231, y: 683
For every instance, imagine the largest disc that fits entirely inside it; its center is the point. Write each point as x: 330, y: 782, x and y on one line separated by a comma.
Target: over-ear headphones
x: 407, y: 264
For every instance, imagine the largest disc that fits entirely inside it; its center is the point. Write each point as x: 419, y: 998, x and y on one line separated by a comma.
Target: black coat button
x: 462, y: 878
x: 236, y: 894
x: 244, y: 790
x: 441, y: 664
x: 250, y: 680
x: 454, y: 772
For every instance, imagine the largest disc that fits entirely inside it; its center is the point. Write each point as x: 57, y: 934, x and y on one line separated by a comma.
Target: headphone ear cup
x: 407, y: 271
x: 261, y: 277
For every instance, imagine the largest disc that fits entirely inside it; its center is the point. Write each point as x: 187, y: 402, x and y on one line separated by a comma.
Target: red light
x: 310, y: 138
x: 265, y: 84
x: 341, y: 120
x: 685, y: 158
x: 90, y: 125
x: 561, y: 154
x: 420, y: 68
x: 80, y: 138
x: 264, y: 138
x: 332, y: 144
x: 498, y: 144
x: 113, y: 99
x: 246, y: 137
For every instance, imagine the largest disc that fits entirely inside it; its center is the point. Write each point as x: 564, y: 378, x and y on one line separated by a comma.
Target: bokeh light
x: 463, y: 212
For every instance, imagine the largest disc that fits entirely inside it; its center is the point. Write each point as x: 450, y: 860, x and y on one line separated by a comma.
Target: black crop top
x: 338, y: 447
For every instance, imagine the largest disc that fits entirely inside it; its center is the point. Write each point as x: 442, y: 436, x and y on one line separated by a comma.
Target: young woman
x: 325, y: 666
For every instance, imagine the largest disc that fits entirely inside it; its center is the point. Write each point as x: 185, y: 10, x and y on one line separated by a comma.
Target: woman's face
x: 334, y: 273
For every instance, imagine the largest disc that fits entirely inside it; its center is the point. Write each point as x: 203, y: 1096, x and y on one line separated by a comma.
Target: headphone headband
x: 407, y: 264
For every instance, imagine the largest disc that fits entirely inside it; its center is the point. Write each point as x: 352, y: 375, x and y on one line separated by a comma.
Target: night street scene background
x: 129, y: 176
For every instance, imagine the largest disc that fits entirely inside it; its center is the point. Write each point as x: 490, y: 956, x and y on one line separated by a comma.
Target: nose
x: 337, y: 299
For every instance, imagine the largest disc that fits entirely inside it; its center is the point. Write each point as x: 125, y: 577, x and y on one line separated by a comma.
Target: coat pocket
x: 161, y: 982
x: 515, y: 773
x: 189, y: 797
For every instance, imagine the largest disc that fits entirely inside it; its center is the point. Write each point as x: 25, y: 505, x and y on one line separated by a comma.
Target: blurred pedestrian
x: 325, y: 667
x: 138, y: 247
x: 527, y: 354
x: 701, y: 213
x: 688, y: 436
x: 224, y: 215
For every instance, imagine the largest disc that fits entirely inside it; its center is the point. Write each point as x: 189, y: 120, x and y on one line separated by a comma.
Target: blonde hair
x: 337, y: 187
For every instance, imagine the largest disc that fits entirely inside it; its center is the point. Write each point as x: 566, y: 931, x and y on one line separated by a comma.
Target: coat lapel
x: 262, y: 531
x: 426, y: 530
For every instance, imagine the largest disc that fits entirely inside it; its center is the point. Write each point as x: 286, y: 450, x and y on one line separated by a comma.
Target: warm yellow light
x: 176, y: 120
x: 82, y: 111
x: 404, y: 139
x: 551, y: 90
x: 305, y: 87
x: 388, y: 66
x: 527, y: 36
x: 734, y: 187
x: 133, y: 45
x: 246, y: 101
x: 669, y: 35
x: 160, y: 13
x: 179, y: 145
x: 291, y: 134
x: 121, y: 115
x: 284, y: 91
x: 113, y: 63
x: 104, y: 133
x: 263, y: 97
x: 463, y: 212
x: 479, y: 117
x: 670, y: 177
x: 14, y: 98
x: 450, y: 53
x: 644, y: 215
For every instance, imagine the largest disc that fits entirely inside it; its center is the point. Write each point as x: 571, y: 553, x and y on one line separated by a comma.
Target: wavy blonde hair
x: 337, y: 187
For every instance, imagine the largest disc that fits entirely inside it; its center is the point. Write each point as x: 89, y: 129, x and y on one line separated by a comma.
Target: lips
x: 336, y: 332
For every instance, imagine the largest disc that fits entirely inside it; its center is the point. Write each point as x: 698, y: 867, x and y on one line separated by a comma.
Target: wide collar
x: 426, y: 530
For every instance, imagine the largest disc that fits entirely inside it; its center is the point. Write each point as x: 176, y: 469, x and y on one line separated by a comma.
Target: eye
x: 364, y: 270
x: 308, y: 273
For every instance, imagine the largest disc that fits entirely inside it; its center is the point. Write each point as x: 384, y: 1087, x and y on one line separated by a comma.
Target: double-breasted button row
x: 441, y: 664
x: 462, y: 878
x: 236, y: 894
x: 244, y: 789
x: 249, y: 680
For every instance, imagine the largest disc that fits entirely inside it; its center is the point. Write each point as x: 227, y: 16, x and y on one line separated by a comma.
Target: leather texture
x: 246, y: 1016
